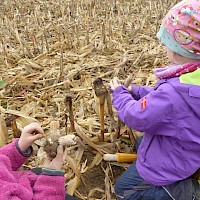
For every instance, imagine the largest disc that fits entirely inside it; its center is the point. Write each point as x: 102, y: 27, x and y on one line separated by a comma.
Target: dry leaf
x: 96, y: 161
x: 72, y: 185
x: 3, y: 131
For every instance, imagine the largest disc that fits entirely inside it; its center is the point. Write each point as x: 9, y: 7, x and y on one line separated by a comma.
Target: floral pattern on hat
x: 183, y: 24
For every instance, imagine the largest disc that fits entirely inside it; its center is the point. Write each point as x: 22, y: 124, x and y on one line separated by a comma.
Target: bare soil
x: 94, y: 178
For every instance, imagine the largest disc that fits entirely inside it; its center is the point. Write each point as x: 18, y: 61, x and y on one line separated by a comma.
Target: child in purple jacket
x: 168, y: 114
x: 26, y: 185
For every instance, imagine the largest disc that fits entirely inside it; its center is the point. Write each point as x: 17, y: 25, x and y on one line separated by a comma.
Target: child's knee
x: 118, y: 190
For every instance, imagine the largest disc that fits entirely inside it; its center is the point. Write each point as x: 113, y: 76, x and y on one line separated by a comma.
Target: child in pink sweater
x: 26, y: 185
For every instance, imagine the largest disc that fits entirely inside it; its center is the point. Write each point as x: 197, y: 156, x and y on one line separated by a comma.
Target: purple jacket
x: 25, y: 185
x: 169, y: 114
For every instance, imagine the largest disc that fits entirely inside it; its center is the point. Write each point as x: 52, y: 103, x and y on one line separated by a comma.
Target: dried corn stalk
x: 101, y: 92
x: 3, y: 131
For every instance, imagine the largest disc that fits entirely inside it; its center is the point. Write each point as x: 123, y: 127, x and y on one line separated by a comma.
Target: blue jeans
x: 131, y: 178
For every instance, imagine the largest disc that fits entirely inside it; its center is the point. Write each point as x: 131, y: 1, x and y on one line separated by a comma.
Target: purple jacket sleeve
x: 144, y: 114
x: 16, y: 157
x: 140, y: 91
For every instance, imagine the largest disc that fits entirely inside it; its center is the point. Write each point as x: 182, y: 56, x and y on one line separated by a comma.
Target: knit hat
x: 180, y: 29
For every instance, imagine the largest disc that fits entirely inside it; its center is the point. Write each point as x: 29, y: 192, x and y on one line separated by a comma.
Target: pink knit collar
x: 175, y: 70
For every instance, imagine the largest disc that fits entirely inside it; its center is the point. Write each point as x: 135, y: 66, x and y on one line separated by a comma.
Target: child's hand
x: 30, y: 133
x: 129, y: 88
x: 57, y: 162
x: 114, y: 83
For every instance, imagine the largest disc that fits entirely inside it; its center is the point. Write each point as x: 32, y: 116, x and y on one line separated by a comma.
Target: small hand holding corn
x: 53, y: 141
x: 129, y: 88
x: 29, y: 134
x: 51, y: 144
x: 114, y: 83
x: 54, y: 148
x: 56, y: 162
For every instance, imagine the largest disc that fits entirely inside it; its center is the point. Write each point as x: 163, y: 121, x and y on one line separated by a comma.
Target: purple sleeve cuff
x: 26, y: 153
x: 118, y: 89
x: 134, y: 92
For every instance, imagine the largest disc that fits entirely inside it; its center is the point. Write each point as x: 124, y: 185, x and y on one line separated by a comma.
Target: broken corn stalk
x: 101, y: 92
x: 69, y: 112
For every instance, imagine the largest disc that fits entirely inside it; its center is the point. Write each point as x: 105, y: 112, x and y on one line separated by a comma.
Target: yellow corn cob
x: 121, y: 157
x: 124, y: 157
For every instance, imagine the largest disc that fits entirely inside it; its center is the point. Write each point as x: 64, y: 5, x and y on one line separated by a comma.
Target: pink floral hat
x: 180, y: 29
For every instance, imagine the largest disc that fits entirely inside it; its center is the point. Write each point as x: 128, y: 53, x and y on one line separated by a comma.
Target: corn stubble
x: 49, y: 48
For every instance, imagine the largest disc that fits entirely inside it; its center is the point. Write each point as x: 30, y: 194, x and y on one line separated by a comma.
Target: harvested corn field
x: 55, y: 57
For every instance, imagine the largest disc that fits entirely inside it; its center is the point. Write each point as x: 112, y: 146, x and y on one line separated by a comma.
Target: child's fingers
x: 33, y: 127
x: 129, y: 88
x: 47, y: 161
x: 65, y: 155
x: 115, y: 80
x: 59, y: 155
x: 37, y: 137
x: 111, y: 84
x: 60, y: 149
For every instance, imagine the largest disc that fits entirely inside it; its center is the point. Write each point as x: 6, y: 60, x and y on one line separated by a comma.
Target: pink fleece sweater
x: 25, y: 185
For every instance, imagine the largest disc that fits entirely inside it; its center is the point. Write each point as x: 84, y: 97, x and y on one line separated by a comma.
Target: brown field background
x: 50, y: 49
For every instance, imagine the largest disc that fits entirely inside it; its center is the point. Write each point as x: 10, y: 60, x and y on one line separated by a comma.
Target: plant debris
x: 51, y: 48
